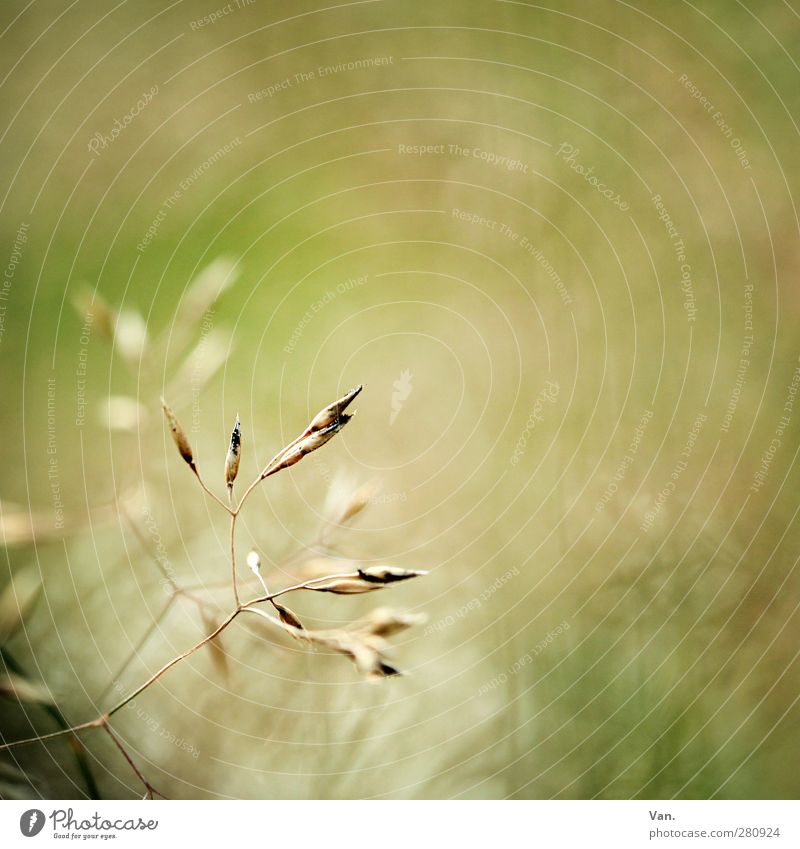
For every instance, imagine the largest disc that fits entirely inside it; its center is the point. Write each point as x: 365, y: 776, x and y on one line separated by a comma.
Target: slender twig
x: 78, y: 749
x: 246, y: 607
x: 167, y: 666
x: 265, y: 473
x: 306, y: 585
x: 233, y: 560
x: 210, y: 492
x: 329, y: 421
x: 118, y: 743
x: 134, y: 652
x: 73, y: 729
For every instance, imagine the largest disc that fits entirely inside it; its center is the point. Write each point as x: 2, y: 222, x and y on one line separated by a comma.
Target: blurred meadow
x: 558, y: 244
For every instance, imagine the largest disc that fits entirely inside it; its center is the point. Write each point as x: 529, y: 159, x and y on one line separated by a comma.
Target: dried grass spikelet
x: 323, y: 427
x: 358, y: 501
x: 332, y: 413
x: 121, y: 412
x: 201, y: 363
x: 204, y: 290
x: 366, y: 653
x: 388, y: 574
x: 305, y: 445
x: 288, y: 617
x: 130, y: 336
x: 90, y: 302
x: 385, y: 622
x: 232, y: 459
x: 179, y: 436
x: 346, y: 586
x: 345, y: 502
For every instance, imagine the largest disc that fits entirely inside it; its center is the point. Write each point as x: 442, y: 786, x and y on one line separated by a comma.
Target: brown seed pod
x: 297, y: 450
x: 346, y: 586
x: 288, y: 617
x: 330, y: 414
x: 352, y: 505
x: 388, y: 574
x: 234, y: 451
x: 179, y: 436
x: 384, y: 622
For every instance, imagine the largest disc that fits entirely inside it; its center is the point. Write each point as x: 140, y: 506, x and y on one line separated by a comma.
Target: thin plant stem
x: 247, y: 607
x: 78, y: 749
x: 139, y: 645
x: 233, y: 561
x: 306, y: 585
x: 167, y: 666
x: 209, y: 492
x: 118, y: 743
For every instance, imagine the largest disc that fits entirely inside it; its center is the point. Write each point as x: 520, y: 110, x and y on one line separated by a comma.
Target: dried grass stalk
x: 179, y: 436
x: 232, y: 459
x: 323, y: 427
x: 346, y: 586
x: 388, y: 574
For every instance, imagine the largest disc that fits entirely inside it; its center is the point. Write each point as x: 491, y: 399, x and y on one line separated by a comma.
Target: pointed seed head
x: 346, y: 586
x: 179, y: 435
x: 287, y: 616
x: 234, y: 451
x: 330, y: 414
x: 388, y: 574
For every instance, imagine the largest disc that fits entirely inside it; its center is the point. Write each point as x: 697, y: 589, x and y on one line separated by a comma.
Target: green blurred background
x: 559, y: 246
